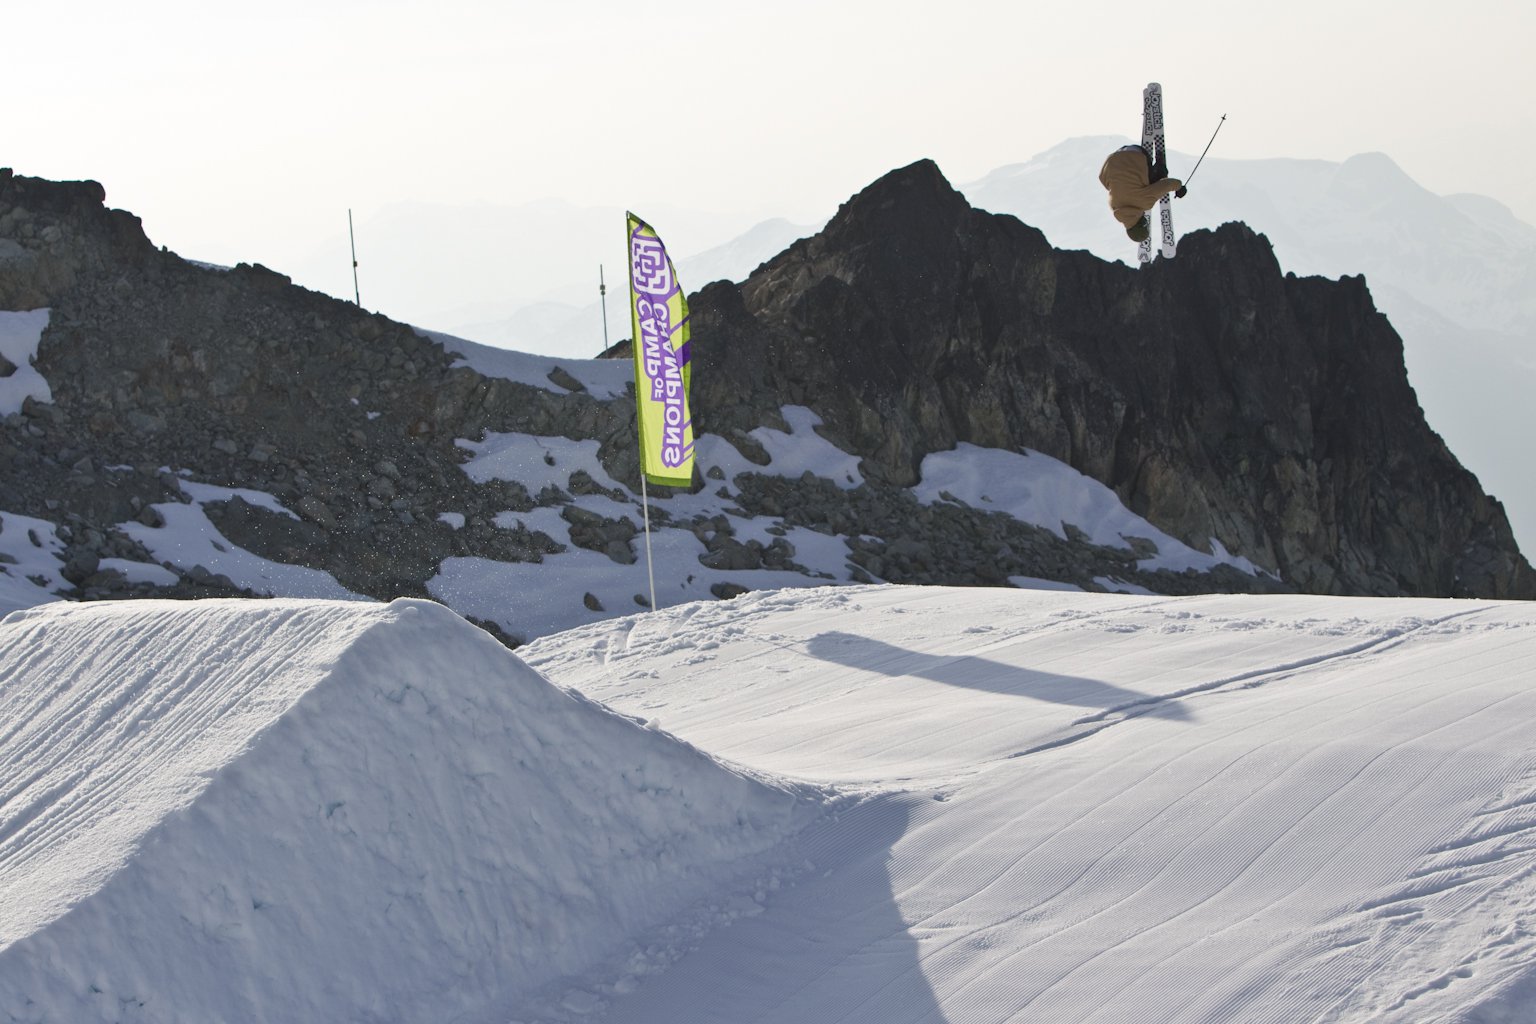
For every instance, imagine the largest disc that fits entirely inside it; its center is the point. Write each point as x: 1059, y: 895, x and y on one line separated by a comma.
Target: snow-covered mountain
x: 174, y: 430
x: 819, y: 802
x: 582, y: 581
x: 1467, y: 257
x: 1456, y: 275
x: 1010, y: 805
x: 736, y: 259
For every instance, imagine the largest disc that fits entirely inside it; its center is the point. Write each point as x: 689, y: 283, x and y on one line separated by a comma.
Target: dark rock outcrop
x: 238, y: 378
x: 1218, y: 397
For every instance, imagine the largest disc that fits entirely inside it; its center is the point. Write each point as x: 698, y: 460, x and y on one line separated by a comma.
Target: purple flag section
x: 659, y: 320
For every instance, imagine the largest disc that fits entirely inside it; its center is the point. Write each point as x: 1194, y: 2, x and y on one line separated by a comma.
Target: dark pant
x: 1156, y: 171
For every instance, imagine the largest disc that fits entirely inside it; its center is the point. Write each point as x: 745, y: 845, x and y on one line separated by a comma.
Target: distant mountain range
x: 559, y: 326
x: 1456, y: 275
x: 523, y: 276
x: 920, y: 392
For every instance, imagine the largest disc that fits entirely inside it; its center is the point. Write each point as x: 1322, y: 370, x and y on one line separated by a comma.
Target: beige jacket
x: 1130, y: 194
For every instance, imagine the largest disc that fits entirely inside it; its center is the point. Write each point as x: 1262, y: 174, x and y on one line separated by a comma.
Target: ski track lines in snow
x: 1298, y: 823
x: 337, y: 811
x: 1283, y: 809
x: 151, y: 721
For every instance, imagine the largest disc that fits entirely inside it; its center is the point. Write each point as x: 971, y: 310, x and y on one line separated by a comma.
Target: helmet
x: 1140, y: 231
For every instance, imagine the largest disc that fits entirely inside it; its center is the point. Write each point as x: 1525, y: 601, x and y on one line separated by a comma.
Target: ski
x: 1170, y: 247
x: 1144, y: 248
x: 1153, y: 142
x: 1165, y: 204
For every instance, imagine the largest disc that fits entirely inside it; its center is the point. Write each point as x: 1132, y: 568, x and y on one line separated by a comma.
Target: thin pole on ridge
x: 353, y: 236
x: 602, y: 294
x: 1207, y: 148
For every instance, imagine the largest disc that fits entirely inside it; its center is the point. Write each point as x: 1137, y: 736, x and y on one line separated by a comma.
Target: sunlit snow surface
x: 332, y: 811
x: 1038, y: 489
x: 1115, y: 809
x: 1054, y: 806
x: 20, y: 334
x: 602, y: 378
x: 189, y: 539
x: 533, y: 599
x: 576, y: 586
x: 32, y: 558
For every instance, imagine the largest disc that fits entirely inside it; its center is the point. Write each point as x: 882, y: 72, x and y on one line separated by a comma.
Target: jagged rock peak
x: 909, y: 236
x: 1221, y: 400
x: 917, y: 187
x: 907, y: 211
x: 41, y: 194
x: 1219, y: 397
x: 53, y: 232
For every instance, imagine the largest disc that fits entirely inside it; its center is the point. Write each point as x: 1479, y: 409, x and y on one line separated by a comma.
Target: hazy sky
x: 233, y: 131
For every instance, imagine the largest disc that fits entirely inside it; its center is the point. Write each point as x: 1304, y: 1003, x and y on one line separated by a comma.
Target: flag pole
x: 658, y: 315
x: 645, y: 505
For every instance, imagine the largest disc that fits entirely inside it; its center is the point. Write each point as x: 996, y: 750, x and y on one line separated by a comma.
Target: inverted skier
x: 1135, y: 185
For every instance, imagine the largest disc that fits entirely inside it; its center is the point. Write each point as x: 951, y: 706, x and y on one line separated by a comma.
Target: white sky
x: 234, y: 132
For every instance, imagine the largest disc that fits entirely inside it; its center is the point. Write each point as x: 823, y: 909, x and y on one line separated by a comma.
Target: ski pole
x: 1207, y: 148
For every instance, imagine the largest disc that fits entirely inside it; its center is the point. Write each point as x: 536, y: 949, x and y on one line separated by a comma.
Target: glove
x: 1181, y: 192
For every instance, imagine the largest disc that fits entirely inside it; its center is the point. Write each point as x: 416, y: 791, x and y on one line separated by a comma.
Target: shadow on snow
x: 976, y: 673
x: 834, y: 947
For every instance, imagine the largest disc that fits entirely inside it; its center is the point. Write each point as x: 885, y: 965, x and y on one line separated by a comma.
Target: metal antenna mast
x: 353, y: 236
x: 602, y: 294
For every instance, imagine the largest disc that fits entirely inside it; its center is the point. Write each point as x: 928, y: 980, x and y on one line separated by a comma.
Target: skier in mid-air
x: 1135, y: 185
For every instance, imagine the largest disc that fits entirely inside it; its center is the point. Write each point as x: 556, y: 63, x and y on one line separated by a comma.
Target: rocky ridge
x: 1218, y: 397
x: 164, y: 371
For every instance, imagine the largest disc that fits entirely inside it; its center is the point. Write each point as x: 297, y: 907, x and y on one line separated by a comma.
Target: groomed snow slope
x: 1109, y: 809
x: 316, y: 811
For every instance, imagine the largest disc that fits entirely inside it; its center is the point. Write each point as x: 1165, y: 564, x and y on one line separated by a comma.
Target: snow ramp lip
x: 262, y: 809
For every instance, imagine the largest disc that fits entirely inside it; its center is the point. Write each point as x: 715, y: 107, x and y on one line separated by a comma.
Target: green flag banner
x: 659, y: 319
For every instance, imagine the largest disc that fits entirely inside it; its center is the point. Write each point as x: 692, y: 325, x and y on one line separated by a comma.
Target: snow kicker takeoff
x: 1137, y: 179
